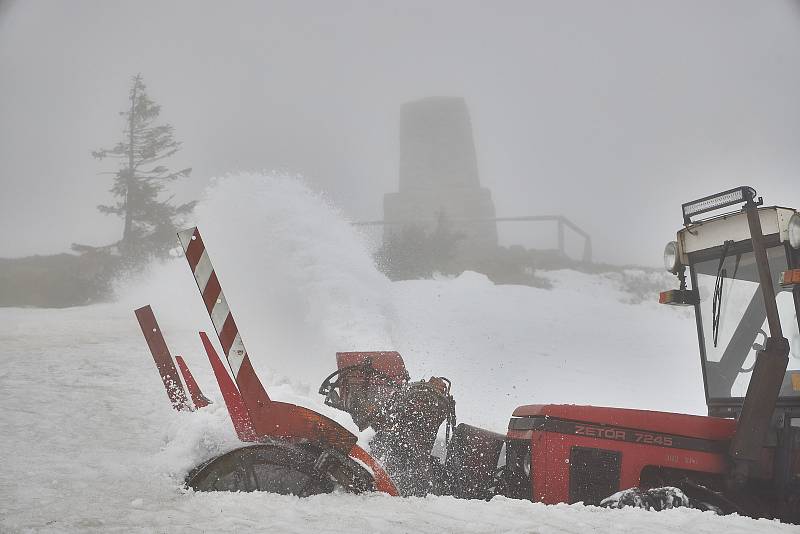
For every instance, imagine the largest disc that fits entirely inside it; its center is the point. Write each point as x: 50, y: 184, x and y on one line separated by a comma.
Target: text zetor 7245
x: 737, y: 263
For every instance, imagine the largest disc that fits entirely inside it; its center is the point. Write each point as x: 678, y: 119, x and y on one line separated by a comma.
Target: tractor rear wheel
x: 281, y: 467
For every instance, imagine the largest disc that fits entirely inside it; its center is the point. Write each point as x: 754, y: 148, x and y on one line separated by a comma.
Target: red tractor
x: 744, y: 457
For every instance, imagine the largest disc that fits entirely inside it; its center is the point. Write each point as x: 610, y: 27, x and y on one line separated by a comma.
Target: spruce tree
x: 142, y: 177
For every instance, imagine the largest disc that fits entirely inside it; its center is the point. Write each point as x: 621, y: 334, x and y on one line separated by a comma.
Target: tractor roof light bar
x: 737, y: 195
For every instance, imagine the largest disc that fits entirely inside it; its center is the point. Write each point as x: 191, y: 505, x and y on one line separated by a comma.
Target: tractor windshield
x: 732, y: 323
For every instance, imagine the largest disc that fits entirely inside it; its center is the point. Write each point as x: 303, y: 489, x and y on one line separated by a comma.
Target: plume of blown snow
x: 299, y: 278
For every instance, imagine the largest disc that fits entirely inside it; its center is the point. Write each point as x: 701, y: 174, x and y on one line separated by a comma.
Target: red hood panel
x: 693, y: 426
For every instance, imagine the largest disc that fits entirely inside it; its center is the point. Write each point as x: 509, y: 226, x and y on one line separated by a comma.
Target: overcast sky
x: 611, y: 113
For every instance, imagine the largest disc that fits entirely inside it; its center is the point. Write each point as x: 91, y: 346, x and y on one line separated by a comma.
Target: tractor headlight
x: 671, y: 262
x: 794, y: 231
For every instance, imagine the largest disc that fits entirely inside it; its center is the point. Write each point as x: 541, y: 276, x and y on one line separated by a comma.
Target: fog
x: 610, y: 113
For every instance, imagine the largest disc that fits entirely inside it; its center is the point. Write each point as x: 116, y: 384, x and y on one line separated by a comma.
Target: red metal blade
x: 162, y: 357
x: 383, y: 481
x: 252, y: 390
x: 233, y: 400
x: 199, y: 400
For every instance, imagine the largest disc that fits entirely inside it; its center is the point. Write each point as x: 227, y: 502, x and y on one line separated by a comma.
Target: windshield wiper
x: 716, y: 302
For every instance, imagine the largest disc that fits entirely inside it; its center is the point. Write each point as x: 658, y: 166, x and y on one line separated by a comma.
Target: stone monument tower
x: 439, y: 175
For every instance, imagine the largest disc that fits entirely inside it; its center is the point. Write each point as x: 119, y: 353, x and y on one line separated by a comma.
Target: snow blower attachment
x: 744, y: 457
x: 295, y: 450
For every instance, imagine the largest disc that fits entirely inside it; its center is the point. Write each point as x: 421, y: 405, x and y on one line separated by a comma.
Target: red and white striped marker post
x: 268, y: 418
x: 250, y: 386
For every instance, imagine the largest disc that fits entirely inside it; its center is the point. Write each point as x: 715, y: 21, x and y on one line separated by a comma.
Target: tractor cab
x: 743, y: 263
x: 729, y: 301
x: 731, y: 334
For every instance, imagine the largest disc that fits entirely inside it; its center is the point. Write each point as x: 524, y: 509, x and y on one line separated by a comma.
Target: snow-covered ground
x: 90, y: 443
